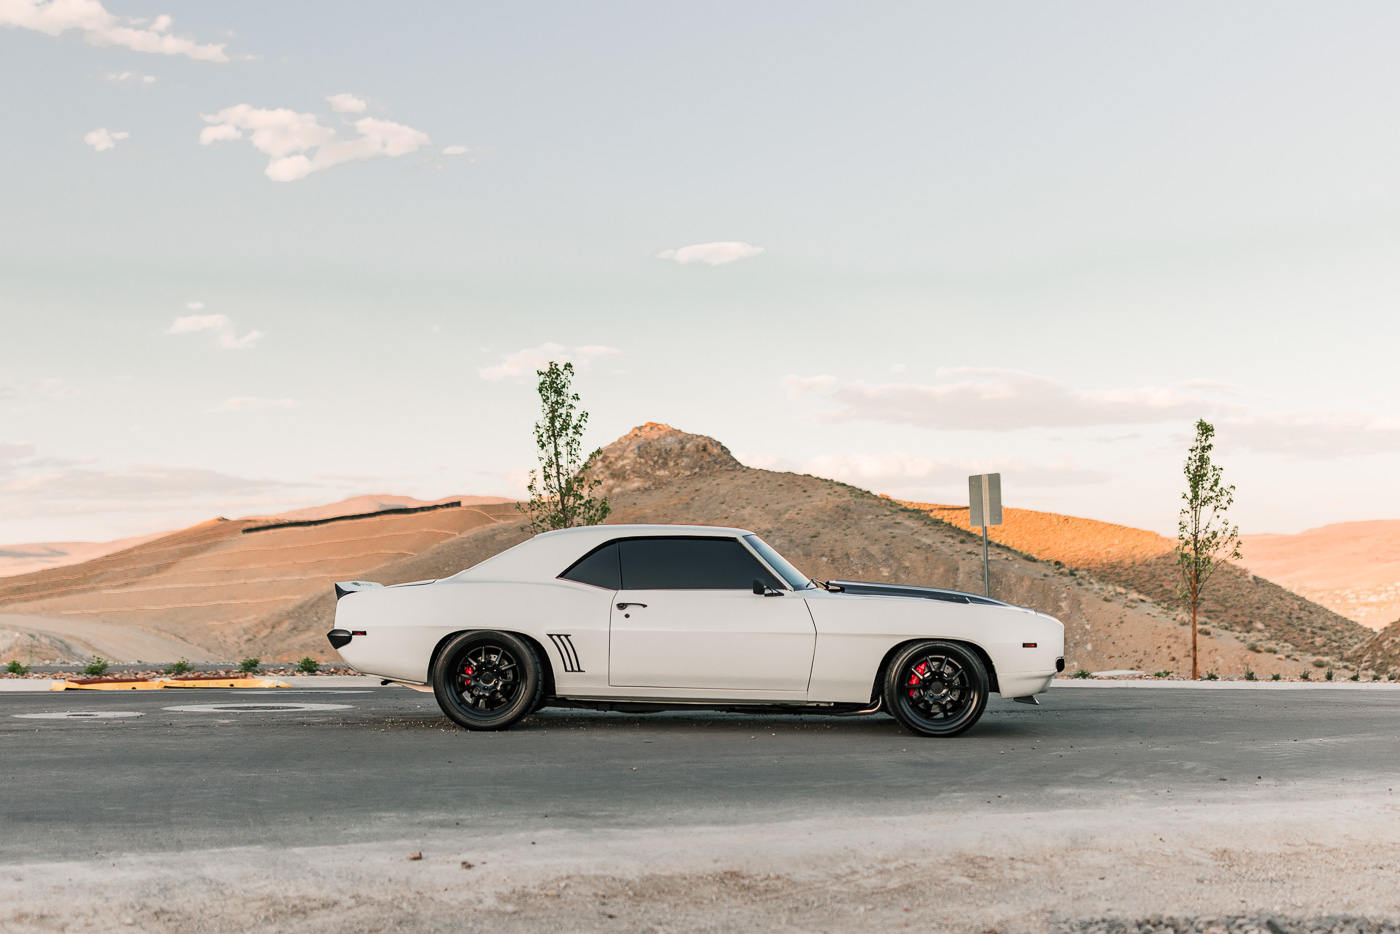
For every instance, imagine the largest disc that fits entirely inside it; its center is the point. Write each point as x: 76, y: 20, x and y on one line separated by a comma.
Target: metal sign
x: 984, y: 495
x: 984, y: 509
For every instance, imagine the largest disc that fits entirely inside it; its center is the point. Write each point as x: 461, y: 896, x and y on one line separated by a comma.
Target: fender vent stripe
x: 567, y: 652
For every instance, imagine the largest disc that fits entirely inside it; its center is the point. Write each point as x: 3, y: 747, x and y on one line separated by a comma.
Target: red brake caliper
x: 920, y: 670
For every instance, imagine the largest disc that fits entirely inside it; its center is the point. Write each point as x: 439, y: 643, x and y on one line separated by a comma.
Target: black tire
x: 936, y: 688
x: 487, y: 680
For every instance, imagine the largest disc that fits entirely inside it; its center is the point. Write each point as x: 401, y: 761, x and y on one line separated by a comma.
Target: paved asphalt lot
x: 388, y: 763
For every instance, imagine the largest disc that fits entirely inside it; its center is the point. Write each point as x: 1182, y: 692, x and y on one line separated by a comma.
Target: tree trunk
x: 1195, y: 605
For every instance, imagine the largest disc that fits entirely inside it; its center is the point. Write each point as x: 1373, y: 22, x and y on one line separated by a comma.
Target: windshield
x: 795, y: 578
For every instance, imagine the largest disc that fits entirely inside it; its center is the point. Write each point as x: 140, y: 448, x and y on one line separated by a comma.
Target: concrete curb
x: 1227, y: 685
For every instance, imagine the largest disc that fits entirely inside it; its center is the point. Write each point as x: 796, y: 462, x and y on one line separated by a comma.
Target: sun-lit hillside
x: 1260, y: 610
x: 236, y: 588
x: 1350, y: 567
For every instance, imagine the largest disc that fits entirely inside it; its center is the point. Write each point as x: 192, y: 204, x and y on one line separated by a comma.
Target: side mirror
x: 758, y: 588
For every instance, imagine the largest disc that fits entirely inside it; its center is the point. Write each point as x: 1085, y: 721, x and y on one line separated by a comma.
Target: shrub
x: 1203, y: 630
x: 1276, y: 677
x: 1249, y: 674
x: 1319, y: 663
x: 15, y: 668
x: 1210, y: 676
x: 1391, y: 676
x: 1356, y: 676
x: 1305, y: 675
x: 178, y: 668
x: 97, y: 667
x: 250, y: 666
x: 308, y: 665
x: 1162, y: 674
x: 1083, y: 673
x: 1329, y: 674
x: 1254, y: 647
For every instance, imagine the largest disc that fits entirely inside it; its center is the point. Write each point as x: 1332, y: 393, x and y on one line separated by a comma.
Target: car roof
x: 549, y: 554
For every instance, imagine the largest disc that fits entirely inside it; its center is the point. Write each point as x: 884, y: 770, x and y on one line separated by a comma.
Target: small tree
x: 250, y: 666
x: 308, y: 666
x: 1204, y: 538
x: 560, y: 495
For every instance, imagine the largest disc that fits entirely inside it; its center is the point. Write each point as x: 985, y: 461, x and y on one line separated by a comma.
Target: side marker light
x: 1024, y: 645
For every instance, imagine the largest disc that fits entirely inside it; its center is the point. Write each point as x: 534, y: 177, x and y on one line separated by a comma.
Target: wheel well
x: 992, y: 686
x: 546, y: 664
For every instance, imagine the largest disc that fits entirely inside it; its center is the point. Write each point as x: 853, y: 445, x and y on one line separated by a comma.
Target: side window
x: 599, y: 568
x: 690, y: 564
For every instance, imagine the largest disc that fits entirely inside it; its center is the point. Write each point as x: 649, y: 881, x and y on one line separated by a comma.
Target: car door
x: 686, y: 617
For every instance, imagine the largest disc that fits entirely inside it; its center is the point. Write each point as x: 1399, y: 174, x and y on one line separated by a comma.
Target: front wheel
x: 487, y: 680
x: 936, y: 688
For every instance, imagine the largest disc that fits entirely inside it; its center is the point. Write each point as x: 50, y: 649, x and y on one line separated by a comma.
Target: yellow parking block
x: 227, y: 683
x: 159, y: 684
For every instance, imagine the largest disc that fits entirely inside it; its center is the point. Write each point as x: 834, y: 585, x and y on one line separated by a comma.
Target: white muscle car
x: 651, y: 617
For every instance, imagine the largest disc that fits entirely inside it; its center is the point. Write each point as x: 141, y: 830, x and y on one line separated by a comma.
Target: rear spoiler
x: 344, y: 587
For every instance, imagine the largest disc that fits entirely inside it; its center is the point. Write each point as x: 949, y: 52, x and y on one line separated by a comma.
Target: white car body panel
x: 723, y: 640
x: 686, y: 646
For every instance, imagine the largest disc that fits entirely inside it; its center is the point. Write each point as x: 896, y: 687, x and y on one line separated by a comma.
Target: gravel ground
x: 1217, y: 867
x: 1258, y: 924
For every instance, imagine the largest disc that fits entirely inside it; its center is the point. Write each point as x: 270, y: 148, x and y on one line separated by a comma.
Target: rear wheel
x: 487, y: 680
x: 936, y: 688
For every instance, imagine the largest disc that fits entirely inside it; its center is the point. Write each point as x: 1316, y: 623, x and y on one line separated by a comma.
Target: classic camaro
x: 651, y: 617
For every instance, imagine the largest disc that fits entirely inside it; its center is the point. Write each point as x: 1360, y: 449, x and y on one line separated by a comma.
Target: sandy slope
x: 268, y: 593
x: 227, y: 586
x: 1256, y: 609
x: 1350, y: 567
x: 34, y: 556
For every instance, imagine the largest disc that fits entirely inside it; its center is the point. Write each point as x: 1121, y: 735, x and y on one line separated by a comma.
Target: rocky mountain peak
x: 653, y: 454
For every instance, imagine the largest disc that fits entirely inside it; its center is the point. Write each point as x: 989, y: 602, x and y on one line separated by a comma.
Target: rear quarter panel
x: 403, y: 625
x: 856, y: 632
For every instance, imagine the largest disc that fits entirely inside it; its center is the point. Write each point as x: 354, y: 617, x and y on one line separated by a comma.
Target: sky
x: 258, y: 256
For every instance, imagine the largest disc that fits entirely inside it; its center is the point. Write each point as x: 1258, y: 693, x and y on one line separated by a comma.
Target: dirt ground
x: 1292, y: 853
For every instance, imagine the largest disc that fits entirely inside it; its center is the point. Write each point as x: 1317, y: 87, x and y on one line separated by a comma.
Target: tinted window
x: 599, y: 568
x: 690, y: 564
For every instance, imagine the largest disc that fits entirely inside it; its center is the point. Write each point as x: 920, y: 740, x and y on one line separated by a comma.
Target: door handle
x: 623, y: 606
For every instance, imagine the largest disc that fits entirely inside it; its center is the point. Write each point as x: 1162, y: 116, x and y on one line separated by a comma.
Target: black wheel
x: 487, y: 680
x: 936, y: 688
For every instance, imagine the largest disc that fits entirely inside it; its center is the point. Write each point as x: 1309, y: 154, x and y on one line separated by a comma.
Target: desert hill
x: 1262, y: 612
x: 225, y: 587
x: 34, y: 556
x: 235, y: 592
x: 1381, y: 652
x: 1350, y: 567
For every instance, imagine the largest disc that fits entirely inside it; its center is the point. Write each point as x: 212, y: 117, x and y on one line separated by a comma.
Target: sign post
x: 984, y: 509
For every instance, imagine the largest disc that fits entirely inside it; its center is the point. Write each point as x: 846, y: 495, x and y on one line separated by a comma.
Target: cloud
x: 13, y: 451
x: 220, y: 324
x: 1311, y: 435
x: 100, y: 139
x: 799, y: 386
x: 194, y: 306
x: 131, y: 77
x: 54, y: 389
x: 454, y: 151
x: 100, y: 28
x: 908, y: 472
x: 527, y: 361
x: 987, y: 399
x: 711, y: 254
x: 299, y: 145
x: 347, y: 104
x: 254, y: 402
